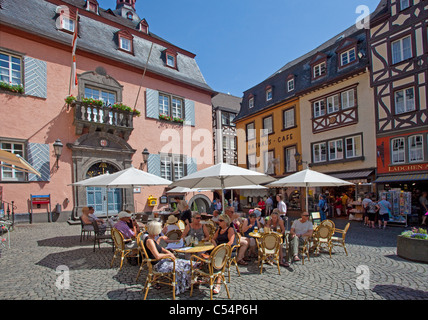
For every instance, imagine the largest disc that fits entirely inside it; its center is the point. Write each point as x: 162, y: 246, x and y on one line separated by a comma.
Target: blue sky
x: 239, y: 43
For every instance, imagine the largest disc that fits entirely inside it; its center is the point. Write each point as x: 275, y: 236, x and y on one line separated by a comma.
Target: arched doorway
x: 200, y: 203
x: 103, y: 200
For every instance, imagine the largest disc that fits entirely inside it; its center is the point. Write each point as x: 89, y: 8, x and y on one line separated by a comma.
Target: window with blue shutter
x: 192, y: 166
x: 35, y: 77
x: 189, y: 112
x: 39, y: 157
x: 153, y: 164
x: 152, y: 103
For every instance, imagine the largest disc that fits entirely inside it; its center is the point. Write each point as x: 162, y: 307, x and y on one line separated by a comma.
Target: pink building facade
x: 115, y: 48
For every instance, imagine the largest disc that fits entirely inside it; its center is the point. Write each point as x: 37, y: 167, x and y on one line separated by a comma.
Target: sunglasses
x: 220, y: 220
x: 199, y: 218
x: 306, y: 215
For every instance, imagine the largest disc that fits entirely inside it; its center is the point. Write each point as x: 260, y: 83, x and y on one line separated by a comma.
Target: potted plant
x: 165, y: 117
x: 70, y: 99
x: 177, y: 119
x: 93, y: 102
x: 17, y: 88
x: 413, y: 245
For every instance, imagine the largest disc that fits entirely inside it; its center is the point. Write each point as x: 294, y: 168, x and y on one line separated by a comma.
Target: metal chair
x: 85, y: 228
x: 233, y: 255
x: 100, y: 236
x: 216, y: 263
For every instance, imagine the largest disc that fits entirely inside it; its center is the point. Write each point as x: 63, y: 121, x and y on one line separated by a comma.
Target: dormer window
x: 319, y: 70
x: 269, y: 93
x: 125, y: 40
x: 171, y: 58
x: 130, y: 15
x: 347, y: 52
x: 143, y: 26
x: 251, y: 102
x: 347, y: 57
x: 290, y: 83
x: 92, y: 5
x: 67, y: 20
x: 318, y: 65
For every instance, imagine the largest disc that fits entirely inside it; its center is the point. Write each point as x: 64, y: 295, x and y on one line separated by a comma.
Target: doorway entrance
x: 103, y: 200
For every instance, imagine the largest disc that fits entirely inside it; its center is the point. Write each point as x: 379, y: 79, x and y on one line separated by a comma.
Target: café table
x: 204, y: 246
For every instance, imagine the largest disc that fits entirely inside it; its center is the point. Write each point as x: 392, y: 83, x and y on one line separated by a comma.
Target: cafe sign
x: 269, y: 141
x: 409, y: 167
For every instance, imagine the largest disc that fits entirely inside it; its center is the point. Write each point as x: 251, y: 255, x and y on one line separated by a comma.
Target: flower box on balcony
x: 16, y: 88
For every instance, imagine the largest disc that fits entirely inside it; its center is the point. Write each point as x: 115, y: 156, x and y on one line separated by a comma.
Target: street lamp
x: 146, y: 155
x: 58, y: 151
x: 298, y: 158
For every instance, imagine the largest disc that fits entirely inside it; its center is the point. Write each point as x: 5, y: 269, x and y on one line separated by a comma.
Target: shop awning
x: 403, y: 177
x: 352, y: 174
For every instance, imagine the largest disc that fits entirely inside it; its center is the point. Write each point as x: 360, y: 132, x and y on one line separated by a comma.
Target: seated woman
x: 170, y: 224
x: 275, y: 223
x: 196, y: 229
x: 249, y: 224
x: 224, y: 234
x: 155, y: 251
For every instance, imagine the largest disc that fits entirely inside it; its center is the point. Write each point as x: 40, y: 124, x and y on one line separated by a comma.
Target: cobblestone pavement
x: 28, y: 271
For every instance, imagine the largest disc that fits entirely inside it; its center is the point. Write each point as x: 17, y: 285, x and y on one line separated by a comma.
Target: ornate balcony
x: 90, y: 118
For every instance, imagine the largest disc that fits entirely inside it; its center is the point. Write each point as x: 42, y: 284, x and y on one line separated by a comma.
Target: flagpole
x: 73, y: 52
x: 144, y: 73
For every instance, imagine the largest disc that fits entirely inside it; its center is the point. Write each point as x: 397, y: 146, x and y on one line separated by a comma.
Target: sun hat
x: 124, y: 214
x: 171, y: 219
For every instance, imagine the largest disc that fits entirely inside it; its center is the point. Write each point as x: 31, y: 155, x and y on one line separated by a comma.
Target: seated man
x: 300, y: 230
x: 124, y: 227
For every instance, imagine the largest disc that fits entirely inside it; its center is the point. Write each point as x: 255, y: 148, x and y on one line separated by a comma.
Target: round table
x: 196, y: 249
x: 259, y: 234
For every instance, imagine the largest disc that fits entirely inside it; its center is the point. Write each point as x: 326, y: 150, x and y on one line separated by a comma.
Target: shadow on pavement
x: 392, y: 292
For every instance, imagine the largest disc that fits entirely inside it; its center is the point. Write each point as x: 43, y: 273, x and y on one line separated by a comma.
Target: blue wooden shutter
x: 189, y: 112
x: 152, y: 103
x: 153, y: 164
x: 35, y: 77
x: 192, y: 166
x: 39, y: 157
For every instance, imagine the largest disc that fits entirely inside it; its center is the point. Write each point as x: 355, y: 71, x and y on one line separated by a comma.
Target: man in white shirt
x: 282, y: 207
x: 300, y: 230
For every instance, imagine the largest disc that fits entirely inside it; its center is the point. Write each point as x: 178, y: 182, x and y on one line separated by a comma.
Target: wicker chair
x: 85, y: 228
x: 340, y: 241
x: 120, y: 247
x: 153, y: 276
x: 233, y: 255
x: 329, y: 223
x: 270, y: 244
x: 100, y: 236
x: 174, y: 234
x: 211, y: 228
x: 216, y: 265
x: 140, y: 241
x: 322, y: 238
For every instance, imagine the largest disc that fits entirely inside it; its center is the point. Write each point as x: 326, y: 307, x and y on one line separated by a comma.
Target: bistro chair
x: 322, y: 238
x: 270, y: 244
x: 100, y: 236
x: 174, y: 234
x: 340, y: 241
x: 212, y: 268
x: 329, y: 223
x: 85, y: 228
x: 233, y: 255
x: 153, y: 276
x: 120, y: 247
x: 211, y: 228
x: 140, y: 242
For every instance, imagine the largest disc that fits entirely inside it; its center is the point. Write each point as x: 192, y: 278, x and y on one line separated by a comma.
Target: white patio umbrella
x: 309, y: 178
x: 127, y: 178
x: 221, y: 176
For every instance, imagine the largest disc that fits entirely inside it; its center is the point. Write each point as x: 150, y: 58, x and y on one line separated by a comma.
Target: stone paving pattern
x: 28, y: 271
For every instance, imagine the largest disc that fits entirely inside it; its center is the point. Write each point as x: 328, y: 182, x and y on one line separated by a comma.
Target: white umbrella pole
x: 306, y: 196
x: 222, y: 194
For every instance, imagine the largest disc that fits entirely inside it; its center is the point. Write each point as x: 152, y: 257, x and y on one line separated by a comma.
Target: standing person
x: 300, y: 230
x: 384, y: 209
x: 323, y: 207
x: 184, y: 209
x: 262, y: 205
x: 338, y: 205
x: 365, y: 203
x: 345, y: 199
x: 372, y: 209
x: 269, y: 205
x: 235, y: 204
x: 423, y: 201
x: 282, y: 207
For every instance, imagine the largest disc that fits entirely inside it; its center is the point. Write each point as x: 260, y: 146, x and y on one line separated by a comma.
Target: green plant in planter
x: 166, y: 117
x: 93, y: 102
x: 70, y: 99
x: 124, y: 107
x: 177, y: 119
x: 415, y: 233
x: 18, y: 88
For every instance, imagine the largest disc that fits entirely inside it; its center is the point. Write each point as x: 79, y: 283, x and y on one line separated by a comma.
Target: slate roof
x: 301, y: 70
x: 226, y: 102
x: 38, y: 17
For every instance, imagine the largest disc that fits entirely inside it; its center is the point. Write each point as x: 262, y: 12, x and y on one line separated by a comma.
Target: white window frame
x: 288, y: 118
x: 319, y: 108
x: 398, y: 150
x: 400, y: 50
x: 252, y: 162
x: 16, y: 175
x: 251, y: 132
x: 348, y: 57
x: 416, y: 148
x: 67, y: 24
x: 170, y: 105
x: 267, y: 125
x: 333, y: 150
x: 251, y: 102
x: 125, y: 44
x: 170, y: 60
x: 321, y: 149
x: 354, y: 152
x: 347, y: 97
x: 268, y: 157
x: 269, y: 94
x: 320, y: 69
x: 333, y: 104
x: 172, y: 166
x: 290, y: 160
x: 408, y: 102
x: 13, y: 71
x: 290, y: 85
